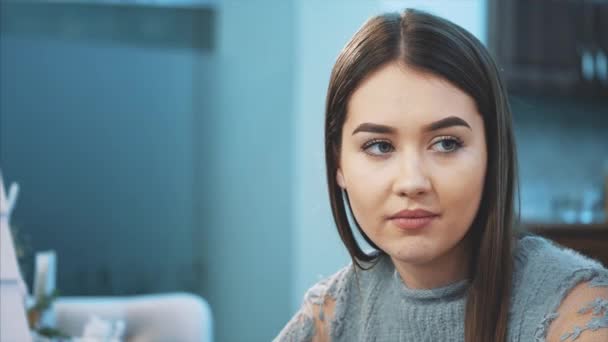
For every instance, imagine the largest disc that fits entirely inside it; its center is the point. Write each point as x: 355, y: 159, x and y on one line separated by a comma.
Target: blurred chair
x: 151, y: 318
x: 174, y: 317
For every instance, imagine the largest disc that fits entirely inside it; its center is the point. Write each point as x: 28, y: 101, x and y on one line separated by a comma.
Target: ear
x: 340, y: 179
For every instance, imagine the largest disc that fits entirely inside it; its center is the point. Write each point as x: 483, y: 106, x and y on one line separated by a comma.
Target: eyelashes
x: 456, y: 143
x: 367, y: 147
x: 381, y: 147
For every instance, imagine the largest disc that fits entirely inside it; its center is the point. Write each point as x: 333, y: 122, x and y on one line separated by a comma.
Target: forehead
x: 401, y: 96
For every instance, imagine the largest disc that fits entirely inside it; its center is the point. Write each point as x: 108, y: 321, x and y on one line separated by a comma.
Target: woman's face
x: 397, y: 154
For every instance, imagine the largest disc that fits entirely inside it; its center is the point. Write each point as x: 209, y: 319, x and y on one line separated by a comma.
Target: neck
x: 448, y: 268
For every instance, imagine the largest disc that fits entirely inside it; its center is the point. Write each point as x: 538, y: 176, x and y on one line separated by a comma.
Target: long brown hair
x: 437, y: 46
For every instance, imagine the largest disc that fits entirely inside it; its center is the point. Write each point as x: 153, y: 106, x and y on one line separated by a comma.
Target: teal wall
x: 244, y: 169
x: 98, y: 132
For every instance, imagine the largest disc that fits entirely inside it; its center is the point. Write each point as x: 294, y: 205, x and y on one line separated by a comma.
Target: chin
x: 413, y: 252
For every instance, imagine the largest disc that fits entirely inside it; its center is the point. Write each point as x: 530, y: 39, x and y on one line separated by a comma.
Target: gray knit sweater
x: 375, y: 305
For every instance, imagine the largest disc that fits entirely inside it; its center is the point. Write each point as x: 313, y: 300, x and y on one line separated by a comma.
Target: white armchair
x: 151, y: 318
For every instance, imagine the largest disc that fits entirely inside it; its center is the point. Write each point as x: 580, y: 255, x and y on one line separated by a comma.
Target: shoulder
x: 538, y: 252
x: 331, y: 286
x: 340, y: 285
x: 547, y: 279
x: 328, y: 304
x: 539, y: 262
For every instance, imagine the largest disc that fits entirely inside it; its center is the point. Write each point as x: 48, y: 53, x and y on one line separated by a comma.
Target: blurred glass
x: 584, y: 207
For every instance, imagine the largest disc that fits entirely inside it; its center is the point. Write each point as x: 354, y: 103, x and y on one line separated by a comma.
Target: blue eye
x: 378, y: 147
x: 448, y: 144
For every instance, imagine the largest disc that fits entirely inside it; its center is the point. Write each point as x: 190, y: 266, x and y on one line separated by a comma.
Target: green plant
x: 51, y: 333
x: 35, y: 312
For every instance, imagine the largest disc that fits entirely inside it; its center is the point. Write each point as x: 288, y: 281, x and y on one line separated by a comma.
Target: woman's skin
x: 410, y: 167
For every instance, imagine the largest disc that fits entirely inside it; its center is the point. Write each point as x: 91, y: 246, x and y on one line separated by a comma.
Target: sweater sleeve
x: 301, y: 327
x: 583, y: 313
x: 548, y: 275
x: 316, y: 318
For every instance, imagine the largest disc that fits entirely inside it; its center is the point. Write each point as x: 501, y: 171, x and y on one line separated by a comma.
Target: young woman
x: 420, y: 149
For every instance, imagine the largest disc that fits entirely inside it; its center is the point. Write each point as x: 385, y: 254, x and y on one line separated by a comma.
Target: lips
x: 413, y: 219
x: 417, y: 213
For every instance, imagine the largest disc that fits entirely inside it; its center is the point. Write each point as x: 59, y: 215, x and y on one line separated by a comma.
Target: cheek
x: 367, y: 187
x: 364, y: 174
x: 460, y: 187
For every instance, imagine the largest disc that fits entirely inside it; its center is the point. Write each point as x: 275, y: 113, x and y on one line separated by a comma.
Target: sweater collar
x: 455, y: 290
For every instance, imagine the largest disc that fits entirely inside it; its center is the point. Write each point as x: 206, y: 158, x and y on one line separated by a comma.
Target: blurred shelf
x: 153, y: 23
x: 193, y: 4
x: 564, y: 228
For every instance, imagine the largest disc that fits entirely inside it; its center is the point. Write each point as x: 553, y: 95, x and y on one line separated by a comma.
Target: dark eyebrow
x: 374, y: 128
x: 433, y: 126
x: 446, y: 122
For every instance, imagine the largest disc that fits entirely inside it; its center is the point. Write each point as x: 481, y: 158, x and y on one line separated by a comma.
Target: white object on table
x: 44, y: 283
x: 45, y: 277
x: 13, y: 320
x: 98, y: 329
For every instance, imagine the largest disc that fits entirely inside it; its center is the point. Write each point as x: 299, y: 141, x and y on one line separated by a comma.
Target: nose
x: 412, y: 179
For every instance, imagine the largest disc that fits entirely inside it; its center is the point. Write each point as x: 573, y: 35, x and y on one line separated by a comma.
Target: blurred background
x: 166, y: 146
